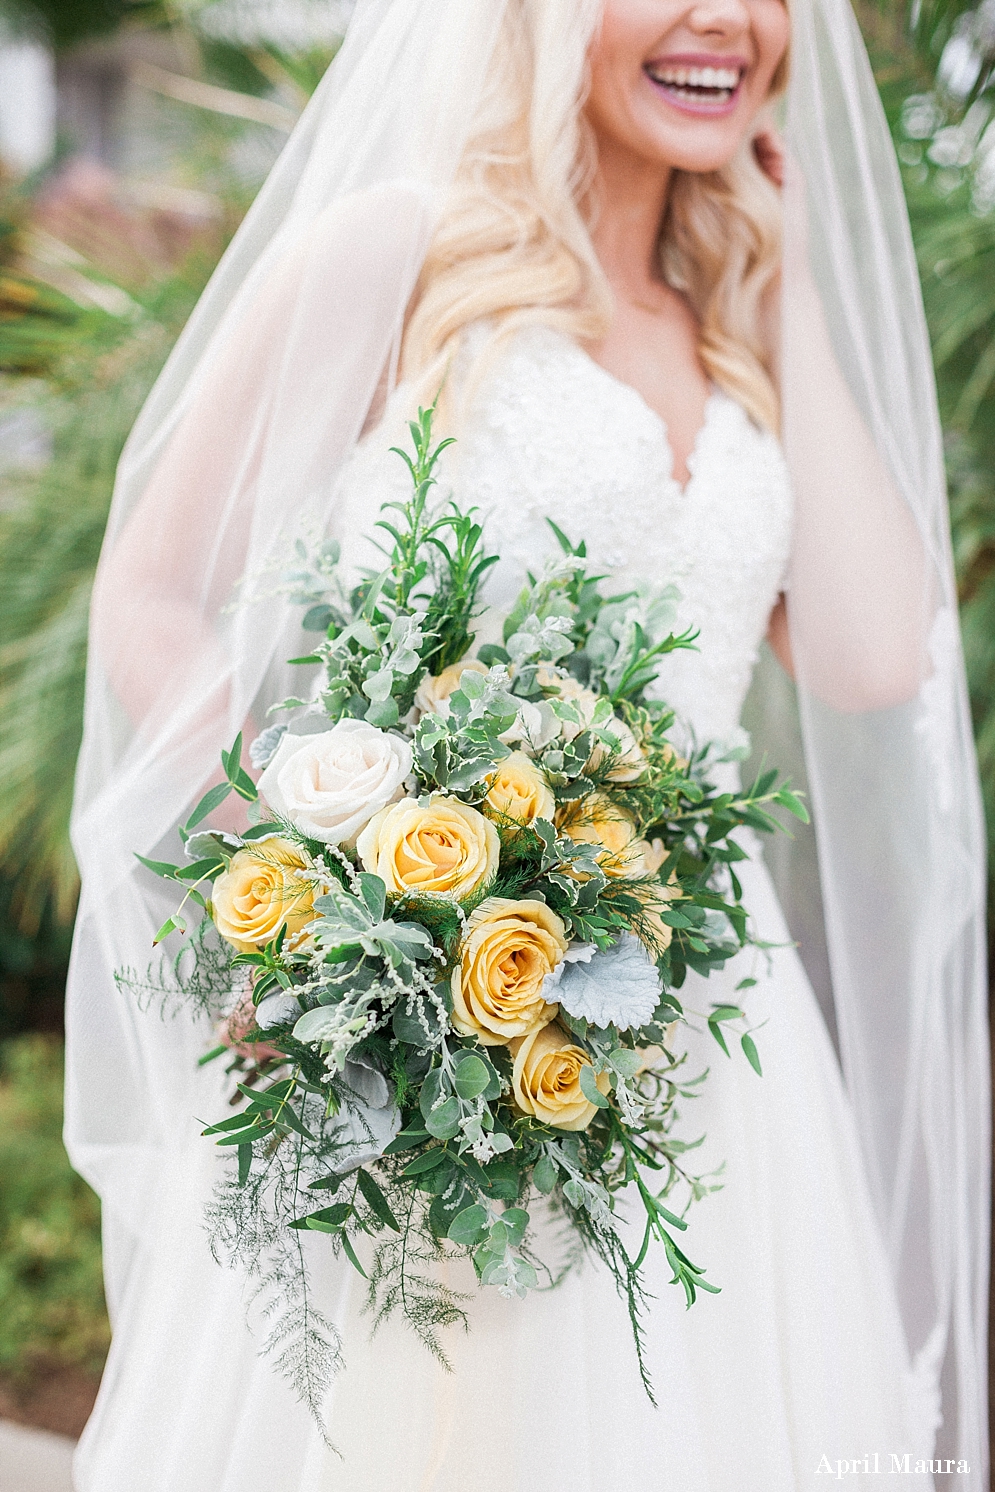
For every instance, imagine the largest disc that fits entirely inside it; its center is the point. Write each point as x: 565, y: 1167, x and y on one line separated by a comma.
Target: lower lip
x: 686, y: 104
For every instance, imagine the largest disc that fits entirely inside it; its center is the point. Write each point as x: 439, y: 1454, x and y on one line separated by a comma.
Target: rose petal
x: 330, y: 785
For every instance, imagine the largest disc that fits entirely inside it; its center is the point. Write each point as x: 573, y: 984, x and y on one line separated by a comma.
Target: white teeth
x: 724, y: 78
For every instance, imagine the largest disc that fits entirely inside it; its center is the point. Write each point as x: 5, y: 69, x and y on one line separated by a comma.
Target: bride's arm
x: 778, y: 637
x: 860, y: 602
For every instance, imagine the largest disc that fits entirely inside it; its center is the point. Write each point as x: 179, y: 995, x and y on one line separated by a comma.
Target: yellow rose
x: 630, y: 762
x: 596, y: 820
x: 509, y: 948
x: 652, y: 1057
x: 519, y: 791
x: 445, y: 847
x: 432, y: 695
x: 260, y: 892
x: 654, y: 853
x: 546, y: 1079
x: 678, y: 763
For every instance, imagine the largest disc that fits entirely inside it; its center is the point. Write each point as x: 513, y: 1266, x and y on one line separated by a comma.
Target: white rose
x: 331, y: 785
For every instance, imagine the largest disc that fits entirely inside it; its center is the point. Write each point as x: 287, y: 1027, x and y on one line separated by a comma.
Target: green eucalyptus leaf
x: 516, y: 1220
x: 425, y: 1162
x: 491, y: 653
x: 439, y: 1179
x: 502, y: 1181
x: 472, y: 1077
x: 431, y: 1091
x: 624, y: 1062
x: 383, y: 713
x: 590, y: 1088
x: 750, y: 1051
x: 444, y: 1121
x: 545, y: 1174
x: 376, y: 1199
x: 469, y: 1226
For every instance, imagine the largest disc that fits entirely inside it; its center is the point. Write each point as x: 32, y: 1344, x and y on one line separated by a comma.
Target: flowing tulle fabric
x: 892, y: 774
x: 238, y: 448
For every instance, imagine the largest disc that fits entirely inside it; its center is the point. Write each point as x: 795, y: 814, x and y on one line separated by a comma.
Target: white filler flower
x: 331, y: 785
x: 618, y: 987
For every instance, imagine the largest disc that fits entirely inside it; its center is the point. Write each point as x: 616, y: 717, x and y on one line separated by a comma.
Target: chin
x: 698, y: 149
x: 700, y: 162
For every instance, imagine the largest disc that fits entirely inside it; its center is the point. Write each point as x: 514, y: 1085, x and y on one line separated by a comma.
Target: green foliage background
x: 51, y: 1291
x: 50, y: 538
x: 70, y: 21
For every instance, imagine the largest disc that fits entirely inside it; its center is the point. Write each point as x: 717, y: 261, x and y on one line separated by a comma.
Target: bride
x: 702, y: 352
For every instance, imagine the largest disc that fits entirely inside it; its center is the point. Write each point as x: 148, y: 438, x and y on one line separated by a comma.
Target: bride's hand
x: 768, y: 147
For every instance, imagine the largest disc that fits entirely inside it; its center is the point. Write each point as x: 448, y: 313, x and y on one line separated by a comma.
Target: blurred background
x: 133, y: 136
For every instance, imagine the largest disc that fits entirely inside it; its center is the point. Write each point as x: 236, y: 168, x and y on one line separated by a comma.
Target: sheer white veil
x: 238, y: 447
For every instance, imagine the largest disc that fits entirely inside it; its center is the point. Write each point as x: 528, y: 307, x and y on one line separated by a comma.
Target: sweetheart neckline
x: 714, y: 400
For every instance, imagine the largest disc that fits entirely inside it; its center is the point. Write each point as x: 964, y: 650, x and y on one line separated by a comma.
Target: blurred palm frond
x: 51, y: 526
x: 97, y: 276
x: 49, y: 542
x: 68, y: 22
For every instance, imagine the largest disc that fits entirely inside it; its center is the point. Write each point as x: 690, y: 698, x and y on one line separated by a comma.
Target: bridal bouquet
x: 443, y: 957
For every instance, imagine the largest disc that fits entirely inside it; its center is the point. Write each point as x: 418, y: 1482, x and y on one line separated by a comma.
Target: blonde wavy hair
x: 513, y: 247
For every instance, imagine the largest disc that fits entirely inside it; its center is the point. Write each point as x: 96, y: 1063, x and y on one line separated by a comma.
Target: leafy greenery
x: 51, y: 1292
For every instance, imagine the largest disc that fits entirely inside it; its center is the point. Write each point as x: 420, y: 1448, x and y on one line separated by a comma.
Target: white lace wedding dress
x: 800, y: 1361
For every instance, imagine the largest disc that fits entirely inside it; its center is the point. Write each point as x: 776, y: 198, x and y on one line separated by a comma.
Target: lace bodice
x: 550, y: 434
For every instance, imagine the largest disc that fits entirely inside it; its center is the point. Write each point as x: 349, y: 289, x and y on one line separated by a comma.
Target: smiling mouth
x: 685, y: 83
